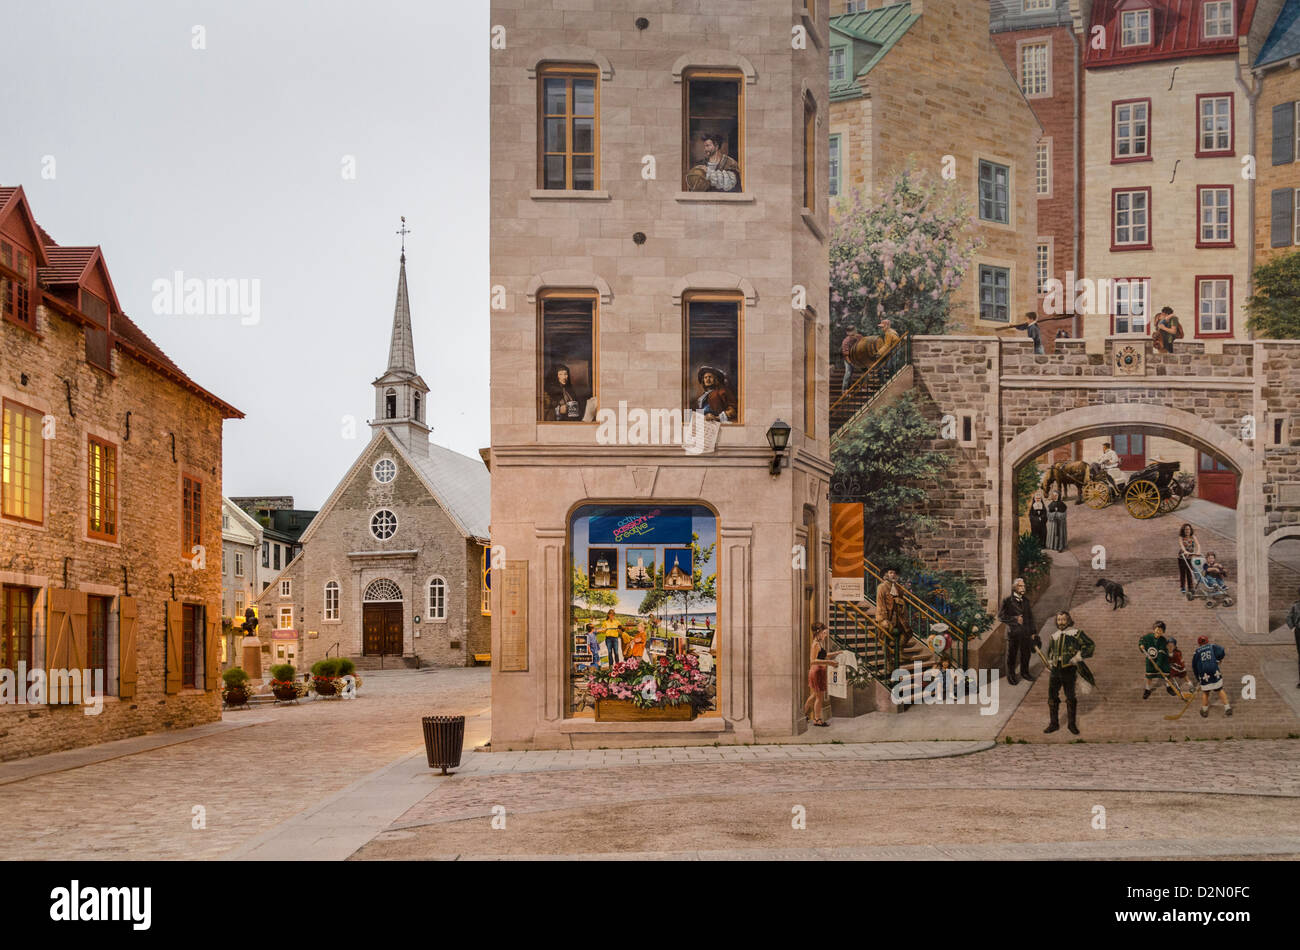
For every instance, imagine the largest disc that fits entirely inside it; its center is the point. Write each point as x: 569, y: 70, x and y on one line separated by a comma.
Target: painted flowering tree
x: 899, y: 256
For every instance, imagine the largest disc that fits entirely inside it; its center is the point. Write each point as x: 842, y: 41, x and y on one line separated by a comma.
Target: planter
x: 236, y: 695
x: 325, y: 687
x: 285, y: 692
x: 624, y: 710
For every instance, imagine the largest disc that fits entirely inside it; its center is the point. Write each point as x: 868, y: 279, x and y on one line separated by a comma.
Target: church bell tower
x: 401, y: 396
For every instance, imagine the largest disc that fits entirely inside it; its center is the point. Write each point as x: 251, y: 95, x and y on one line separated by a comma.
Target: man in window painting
x: 718, y: 172
x: 565, y: 402
x: 717, y: 402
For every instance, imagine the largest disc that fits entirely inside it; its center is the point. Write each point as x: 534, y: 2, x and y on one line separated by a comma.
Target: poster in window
x: 713, y: 360
x: 640, y: 572
x: 602, y: 568
x: 567, y: 358
x: 713, y: 134
x: 679, y: 572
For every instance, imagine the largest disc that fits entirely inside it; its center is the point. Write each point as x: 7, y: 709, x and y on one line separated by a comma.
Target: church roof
x: 462, y: 484
x: 401, y: 349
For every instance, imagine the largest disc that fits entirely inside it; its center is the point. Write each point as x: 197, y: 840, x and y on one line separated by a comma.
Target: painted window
x: 810, y: 373
x: 566, y: 391
x: 437, y: 599
x: 833, y: 185
x: 994, y: 190
x: 1215, y: 215
x: 1131, y: 140
x: 711, y: 335
x: 839, y: 63
x: 101, y: 492
x: 857, y: 6
x: 1042, y: 265
x: 809, y: 153
x: 332, y: 600
x: 995, y: 293
x: 1215, y: 116
x: 1043, y: 168
x: 191, y: 515
x: 1214, y: 306
x: 1035, y: 75
x: 15, y: 292
x: 22, y: 464
x: 1032, y: 5
x: 383, y: 524
x: 385, y: 471
x: 1131, y: 221
x: 713, y: 112
x: 1217, y: 19
x: 1130, y: 300
x: 568, y: 133
x: 1135, y: 28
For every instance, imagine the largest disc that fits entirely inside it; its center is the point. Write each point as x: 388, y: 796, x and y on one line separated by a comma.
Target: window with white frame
x: 1130, y: 299
x: 1214, y: 306
x: 1216, y: 216
x: 285, y: 618
x: 437, y: 599
x: 857, y: 6
x: 239, y: 605
x: 225, y: 569
x: 1135, y: 28
x: 285, y: 588
x: 839, y: 63
x: 239, y: 564
x: 1042, y: 264
x: 332, y: 600
x: 383, y: 524
x: 1032, y: 5
x: 1215, y: 124
x: 1217, y: 19
x: 994, y: 189
x: 385, y: 471
x: 1131, y: 224
x: 1043, y: 168
x: 1131, y: 138
x: 1035, y: 78
x: 834, y: 184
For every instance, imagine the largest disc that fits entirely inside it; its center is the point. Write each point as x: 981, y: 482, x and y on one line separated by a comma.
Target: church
x: 393, y: 568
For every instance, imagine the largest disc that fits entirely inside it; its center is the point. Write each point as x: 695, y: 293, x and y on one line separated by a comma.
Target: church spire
x: 401, y: 350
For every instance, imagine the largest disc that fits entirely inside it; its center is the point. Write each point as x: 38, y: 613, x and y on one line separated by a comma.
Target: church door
x: 381, y: 626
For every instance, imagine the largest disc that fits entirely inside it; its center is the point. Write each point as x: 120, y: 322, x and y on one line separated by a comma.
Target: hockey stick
x: 1188, y: 703
x: 1168, y: 682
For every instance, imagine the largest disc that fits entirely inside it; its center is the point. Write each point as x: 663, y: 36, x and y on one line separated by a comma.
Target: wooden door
x: 381, y: 629
x: 1215, y: 481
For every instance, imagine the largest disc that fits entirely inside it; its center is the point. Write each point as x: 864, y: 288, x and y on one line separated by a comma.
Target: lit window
x: 1214, y: 296
x: 1215, y: 125
x: 1132, y: 131
x: 22, y: 464
x: 101, y: 492
x: 286, y: 618
x: 332, y: 600
x: 1216, y: 215
x: 568, y: 128
x: 1035, y: 78
x: 1135, y: 28
x: 995, y: 293
x: 1130, y: 297
x: 1130, y: 219
x: 437, y: 599
x: 994, y: 191
x: 1217, y: 17
x: 383, y: 524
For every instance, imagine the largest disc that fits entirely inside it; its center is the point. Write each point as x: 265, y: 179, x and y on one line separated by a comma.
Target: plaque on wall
x: 1129, y: 360
x: 1288, y: 495
x: 514, y: 622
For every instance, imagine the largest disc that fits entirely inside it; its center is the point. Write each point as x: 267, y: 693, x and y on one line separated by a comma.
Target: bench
x: 483, y: 658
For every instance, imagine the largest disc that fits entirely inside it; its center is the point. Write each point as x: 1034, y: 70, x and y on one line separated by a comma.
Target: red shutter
x: 126, y: 647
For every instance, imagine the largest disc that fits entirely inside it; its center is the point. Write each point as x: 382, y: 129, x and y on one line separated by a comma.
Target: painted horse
x: 871, y: 348
x: 1066, y: 474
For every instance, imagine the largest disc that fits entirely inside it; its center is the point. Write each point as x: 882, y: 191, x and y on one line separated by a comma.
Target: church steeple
x: 400, y: 394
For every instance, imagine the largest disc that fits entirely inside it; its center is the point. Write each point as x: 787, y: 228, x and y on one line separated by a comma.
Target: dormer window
x: 1135, y: 28
x: 97, y: 343
x: 839, y: 64
x: 390, y: 403
x: 15, y: 292
x: 1217, y: 19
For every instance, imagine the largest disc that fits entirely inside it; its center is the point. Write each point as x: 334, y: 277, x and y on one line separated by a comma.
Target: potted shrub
x: 236, y: 692
x: 282, y: 682
x: 324, y: 676
x: 348, y: 668
x: 650, y: 689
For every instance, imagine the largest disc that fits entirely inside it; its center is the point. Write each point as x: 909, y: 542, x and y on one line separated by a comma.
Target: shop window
x: 569, y: 128
x: 643, y: 584
x: 713, y: 108
x: 567, y: 361
x: 711, y: 334
x: 22, y: 464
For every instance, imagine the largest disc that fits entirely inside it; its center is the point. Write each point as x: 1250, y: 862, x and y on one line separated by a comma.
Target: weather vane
x: 404, y: 231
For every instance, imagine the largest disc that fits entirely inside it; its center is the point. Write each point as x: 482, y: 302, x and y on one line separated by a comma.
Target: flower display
x: 647, y: 684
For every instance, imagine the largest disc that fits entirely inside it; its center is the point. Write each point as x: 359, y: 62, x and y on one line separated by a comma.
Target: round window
x: 383, y: 524
x: 385, y: 471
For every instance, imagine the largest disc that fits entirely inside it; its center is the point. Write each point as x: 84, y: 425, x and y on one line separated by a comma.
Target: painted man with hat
x: 716, y: 401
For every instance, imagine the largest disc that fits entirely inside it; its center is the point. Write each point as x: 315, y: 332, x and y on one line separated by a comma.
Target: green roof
x: 880, y: 28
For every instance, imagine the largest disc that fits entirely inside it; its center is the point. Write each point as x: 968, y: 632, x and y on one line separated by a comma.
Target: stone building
x: 241, y: 549
x: 392, y: 568
x: 282, y: 526
x: 921, y: 82
x: 110, y: 514
x: 659, y: 180
x: 1277, y: 132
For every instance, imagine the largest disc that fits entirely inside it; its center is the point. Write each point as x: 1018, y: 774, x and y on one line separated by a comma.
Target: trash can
x: 443, y: 738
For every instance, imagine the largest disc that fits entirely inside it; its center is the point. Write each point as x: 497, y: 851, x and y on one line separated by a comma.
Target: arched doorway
x: 1200, y: 433
x: 1283, y: 575
x: 381, y: 619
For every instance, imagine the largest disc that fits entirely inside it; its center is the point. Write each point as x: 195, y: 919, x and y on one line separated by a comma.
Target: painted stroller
x: 1214, y: 595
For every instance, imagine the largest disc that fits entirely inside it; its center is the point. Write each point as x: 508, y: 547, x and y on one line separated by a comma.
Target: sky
x: 277, y: 144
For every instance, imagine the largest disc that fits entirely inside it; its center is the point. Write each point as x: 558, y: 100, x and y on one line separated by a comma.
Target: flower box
x: 624, y: 710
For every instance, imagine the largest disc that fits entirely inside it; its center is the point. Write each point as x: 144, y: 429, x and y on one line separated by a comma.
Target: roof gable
x: 880, y: 29
x: 1176, y: 31
x: 16, y: 218
x: 1283, y: 40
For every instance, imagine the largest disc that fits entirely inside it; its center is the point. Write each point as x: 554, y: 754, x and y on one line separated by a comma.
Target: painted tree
x: 591, y: 597
x: 1274, y: 307
x: 899, y: 256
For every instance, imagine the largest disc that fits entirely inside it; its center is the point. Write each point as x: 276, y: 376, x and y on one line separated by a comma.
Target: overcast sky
x: 228, y: 161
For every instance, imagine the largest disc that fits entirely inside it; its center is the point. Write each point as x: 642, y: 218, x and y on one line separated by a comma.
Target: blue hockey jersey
x: 1205, y: 662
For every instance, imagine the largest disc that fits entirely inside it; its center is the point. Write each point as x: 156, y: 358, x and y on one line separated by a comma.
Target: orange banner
x: 846, y: 539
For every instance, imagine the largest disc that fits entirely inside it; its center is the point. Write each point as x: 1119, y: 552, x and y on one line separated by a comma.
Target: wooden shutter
x: 126, y: 612
x: 79, y: 614
x: 58, y: 636
x: 1281, y: 203
x: 175, y: 640
x: 1283, y: 133
x: 212, y: 673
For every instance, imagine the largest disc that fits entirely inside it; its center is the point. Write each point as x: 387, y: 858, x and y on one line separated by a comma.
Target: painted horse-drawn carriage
x: 1157, y: 489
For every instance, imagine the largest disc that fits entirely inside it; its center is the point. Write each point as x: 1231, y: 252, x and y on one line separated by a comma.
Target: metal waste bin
x: 443, y: 738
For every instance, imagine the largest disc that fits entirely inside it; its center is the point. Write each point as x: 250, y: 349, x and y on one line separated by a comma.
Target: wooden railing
x: 859, y: 396
x: 922, y: 617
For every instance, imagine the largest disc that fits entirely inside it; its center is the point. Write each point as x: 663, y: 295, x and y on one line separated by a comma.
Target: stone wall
x: 149, y: 520
x: 1280, y: 366
x: 1280, y: 84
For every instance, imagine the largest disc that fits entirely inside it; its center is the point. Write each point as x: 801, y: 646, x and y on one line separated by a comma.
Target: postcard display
x: 654, y: 567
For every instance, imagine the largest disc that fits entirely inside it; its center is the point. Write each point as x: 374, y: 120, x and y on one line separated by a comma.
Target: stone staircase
x: 370, y: 664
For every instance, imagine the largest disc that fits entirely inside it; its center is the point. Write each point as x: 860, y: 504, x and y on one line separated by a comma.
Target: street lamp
x: 778, y: 437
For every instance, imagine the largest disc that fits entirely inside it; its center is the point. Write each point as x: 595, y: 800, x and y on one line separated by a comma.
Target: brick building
x: 631, y: 289
x: 110, y: 504
x: 1277, y: 132
x: 921, y: 80
x: 393, y: 567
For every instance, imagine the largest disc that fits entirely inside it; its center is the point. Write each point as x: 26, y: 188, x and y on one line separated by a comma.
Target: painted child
x: 1156, y: 648
x: 1205, y: 666
x: 1177, y: 671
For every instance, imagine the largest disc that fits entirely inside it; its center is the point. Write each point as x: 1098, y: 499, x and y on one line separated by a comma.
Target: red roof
x: 1176, y: 31
x: 67, y: 264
